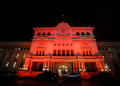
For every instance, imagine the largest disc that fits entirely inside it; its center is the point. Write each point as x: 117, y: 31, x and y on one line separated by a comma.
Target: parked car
x: 8, y: 74
x: 72, y: 75
x: 47, y: 75
x: 103, y: 76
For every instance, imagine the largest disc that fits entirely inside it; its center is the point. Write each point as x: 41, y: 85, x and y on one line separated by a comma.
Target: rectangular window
x: 6, y: 65
x: 14, y: 64
x: 17, y: 55
x: 24, y: 55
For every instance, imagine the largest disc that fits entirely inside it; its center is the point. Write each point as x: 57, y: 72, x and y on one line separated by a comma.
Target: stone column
x: 73, y: 67
x: 76, y: 66
x: 51, y: 66
x: 31, y: 65
x: 79, y: 65
x: 83, y: 65
x: 48, y: 66
x: 97, y: 66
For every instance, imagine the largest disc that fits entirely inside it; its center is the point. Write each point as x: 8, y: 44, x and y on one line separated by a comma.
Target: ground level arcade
x: 62, y: 64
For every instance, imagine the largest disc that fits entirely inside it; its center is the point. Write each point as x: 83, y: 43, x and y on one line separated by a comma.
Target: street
x: 34, y: 82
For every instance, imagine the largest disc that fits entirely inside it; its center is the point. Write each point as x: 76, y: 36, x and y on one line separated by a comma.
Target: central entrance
x: 63, y: 69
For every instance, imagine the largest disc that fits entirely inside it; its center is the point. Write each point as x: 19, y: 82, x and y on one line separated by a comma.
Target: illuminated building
x: 61, y: 49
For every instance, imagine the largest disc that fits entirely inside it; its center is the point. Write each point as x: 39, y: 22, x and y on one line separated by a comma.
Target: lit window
x: 14, y: 64
x: 109, y: 48
x: 18, y: 48
x: 17, y: 55
x: 111, y: 56
x: 6, y: 65
x: 24, y: 55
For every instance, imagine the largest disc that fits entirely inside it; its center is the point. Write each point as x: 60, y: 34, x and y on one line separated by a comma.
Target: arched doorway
x: 62, y: 69
x: 40, y: 67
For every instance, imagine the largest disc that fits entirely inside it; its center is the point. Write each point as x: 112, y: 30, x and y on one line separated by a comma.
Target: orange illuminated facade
x: 63, y: 49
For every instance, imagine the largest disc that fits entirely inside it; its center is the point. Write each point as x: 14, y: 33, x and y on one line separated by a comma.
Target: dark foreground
x: 34, y: 82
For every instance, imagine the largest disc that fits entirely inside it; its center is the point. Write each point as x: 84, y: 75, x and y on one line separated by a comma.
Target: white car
x: 72, y: 75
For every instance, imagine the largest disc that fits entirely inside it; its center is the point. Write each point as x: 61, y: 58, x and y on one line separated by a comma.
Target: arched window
x: 88, y: 33
x: 87, y: 53
x: 63, y: 52
x: 37, y: 53
x: 90, y: 53
x: 82, y: 33
x: 38, y: 34
x: 54, y: 53
x: 72, y: 53
x: 83, y: 53
x: 43, y: 53
x: 77, y: 33
x: 59, y: 53
x: 67, y: 52
x: 40, y: 53
x: 48, y: 34
x: 43, y: 34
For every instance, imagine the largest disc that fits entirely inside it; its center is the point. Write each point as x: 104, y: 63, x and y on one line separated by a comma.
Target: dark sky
x: 17, y: 17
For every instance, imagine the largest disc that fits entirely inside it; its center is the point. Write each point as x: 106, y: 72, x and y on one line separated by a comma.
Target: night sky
x: 17, y: 17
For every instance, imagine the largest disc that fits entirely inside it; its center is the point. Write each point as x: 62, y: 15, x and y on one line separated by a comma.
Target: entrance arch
x: 63, y: 69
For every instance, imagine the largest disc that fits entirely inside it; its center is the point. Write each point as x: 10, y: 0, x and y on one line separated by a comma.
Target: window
x: 28, y: 48
x: 109, y: 48
x: 83, y: 53
x: 77, y: 33
x: 54, y: 53
x: 48, y: 34
x: 63, y: 44
x: 17, y: 55
x: 43, y: 53
x: 18, y: 48
x: 14, y: 64
x: 43, y: 34
x: 67, y: 44
x: 102, y: 47
x: 58, y: 44
x: 59, y: 53
x: 90, y: 53
x: 24, y: 55
x: 71, y: 44
x: 116, y: 47
x: 88, y: 33
x: 40, y: 53
x: 6, y: 65
x: 82, y: 33
x: 38, y: 34
x: 63, y: 52
x: 54, y: 44
x: 111, y: 56
x: 37, y: 53
x: 15, y: 47
x: 72, y: 53
x: 67, y: 52
x: 87, y: 53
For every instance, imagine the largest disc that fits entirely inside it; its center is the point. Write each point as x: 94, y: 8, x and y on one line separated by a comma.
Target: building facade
x: 61, y: 49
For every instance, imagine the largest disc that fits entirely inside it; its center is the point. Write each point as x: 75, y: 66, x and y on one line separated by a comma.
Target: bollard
x: 59, y: 83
